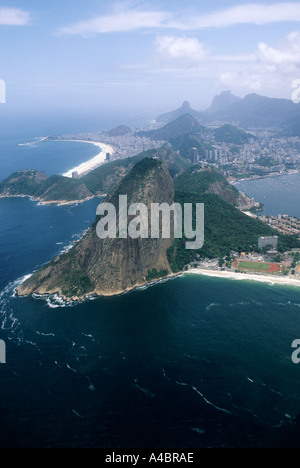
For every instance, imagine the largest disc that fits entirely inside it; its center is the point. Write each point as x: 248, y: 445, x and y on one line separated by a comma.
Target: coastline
x: 280, y: 280
x: 92, y: 295
x: 93, y: 163
x: 271, y: 280
x: 52, y: 202
x: 267, y: 176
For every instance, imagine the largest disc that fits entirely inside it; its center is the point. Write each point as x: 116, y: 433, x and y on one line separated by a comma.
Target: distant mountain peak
x: 173, y: 115
x: 223, y: 100
x: 186, y: 107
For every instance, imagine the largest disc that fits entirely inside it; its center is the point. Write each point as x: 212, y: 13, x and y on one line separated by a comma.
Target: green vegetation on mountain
x: 104, y: 178
x: 121, y: 130
x: 184, y: 124
x: 185, y: 143
x: 100, y: 181
x: 226, y: 228
x: 266, y: 162
x: 37, y: 185
x: 232, y: 135
x: 24, y: 183
x: 198, y: 180
x: 154, y: 274
x: 63, y: 189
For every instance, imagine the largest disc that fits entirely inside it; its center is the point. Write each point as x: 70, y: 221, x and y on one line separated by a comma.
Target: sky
x: 100, y: 55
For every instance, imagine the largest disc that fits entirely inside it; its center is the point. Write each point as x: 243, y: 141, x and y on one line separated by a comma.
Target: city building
x: 194, y: 155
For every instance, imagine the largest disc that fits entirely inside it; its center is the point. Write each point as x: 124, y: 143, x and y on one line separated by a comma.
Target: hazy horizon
x: 137, y: 56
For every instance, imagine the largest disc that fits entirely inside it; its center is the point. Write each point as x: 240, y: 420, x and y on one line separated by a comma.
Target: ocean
x: 187, y: 363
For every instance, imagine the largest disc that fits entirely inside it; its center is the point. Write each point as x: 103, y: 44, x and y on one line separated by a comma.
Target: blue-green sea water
x: 191, y: 362
x: 52, y: 157
x: 279, y: 195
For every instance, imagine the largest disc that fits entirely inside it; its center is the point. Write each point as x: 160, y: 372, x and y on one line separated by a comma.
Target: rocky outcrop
x: 225, y: 192
x: 111, y: 266
x: 24, y: 183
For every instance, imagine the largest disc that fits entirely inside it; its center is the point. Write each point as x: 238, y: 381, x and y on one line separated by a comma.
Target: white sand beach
x: 283, y: 280
x: 93, y: 163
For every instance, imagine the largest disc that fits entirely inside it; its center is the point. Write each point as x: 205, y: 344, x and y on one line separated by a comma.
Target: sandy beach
x: 285, y: 281
x: 93, y: 163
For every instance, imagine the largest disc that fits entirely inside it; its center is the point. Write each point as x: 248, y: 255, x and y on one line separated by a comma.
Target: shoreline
x: 280, y: 280
x: 92, y: 163
x: 93, y: 294
x: 52, y: 202
x: 138, y: 287
x: 271, y: 175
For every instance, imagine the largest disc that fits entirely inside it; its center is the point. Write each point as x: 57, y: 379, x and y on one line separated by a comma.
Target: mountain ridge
x: 63, y: 190
x: 252, y: 111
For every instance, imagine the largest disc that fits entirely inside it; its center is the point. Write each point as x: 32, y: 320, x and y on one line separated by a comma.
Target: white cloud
x: 286, y: 56
x: 258, y: 14
x: 14, y: 17
x: 180, y: 48
x: 122, y: 19
x: 246, y: 81
x: 269, y: 70
x: 274, y: 69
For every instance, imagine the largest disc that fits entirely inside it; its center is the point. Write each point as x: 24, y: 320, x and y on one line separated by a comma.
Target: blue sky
x: 137, y: 55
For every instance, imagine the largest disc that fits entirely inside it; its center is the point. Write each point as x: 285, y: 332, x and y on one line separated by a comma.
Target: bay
x: 51, y: 157
x: 280, y: 195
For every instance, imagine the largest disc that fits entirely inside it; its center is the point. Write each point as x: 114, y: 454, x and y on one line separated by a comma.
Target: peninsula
x: 97, y: 183
x: 111, y: 266
x: 105, y: 267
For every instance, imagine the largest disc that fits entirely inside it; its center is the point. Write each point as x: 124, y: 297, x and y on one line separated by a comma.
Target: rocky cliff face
x: 219, y: 188
x: 111, y: 266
